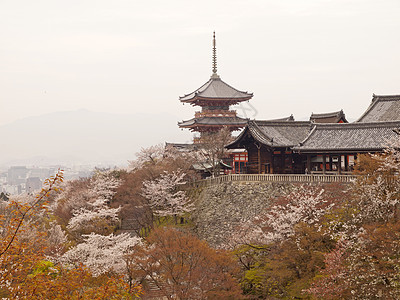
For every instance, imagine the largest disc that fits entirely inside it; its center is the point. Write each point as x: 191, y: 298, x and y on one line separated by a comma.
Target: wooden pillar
x: 330, y: 162
x: 259, y: 160
x: 340, y: 164
x: 271, y: 162
x: 308, y: 163
x: 324, y: 164
x: 346, y: 162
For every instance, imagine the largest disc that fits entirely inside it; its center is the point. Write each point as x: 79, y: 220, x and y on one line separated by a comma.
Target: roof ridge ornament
x: 214, y: 59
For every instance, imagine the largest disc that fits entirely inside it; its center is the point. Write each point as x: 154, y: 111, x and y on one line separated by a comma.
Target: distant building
x: 33, y: 184
x: 42, y: 173
x: 17, y: 175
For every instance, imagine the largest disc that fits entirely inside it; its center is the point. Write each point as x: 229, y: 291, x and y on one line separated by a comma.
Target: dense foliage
x: 316, y: 242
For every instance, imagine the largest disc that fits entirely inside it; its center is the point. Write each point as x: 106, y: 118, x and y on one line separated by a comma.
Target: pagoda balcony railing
x: 281, y: 178
x: 215, y: 113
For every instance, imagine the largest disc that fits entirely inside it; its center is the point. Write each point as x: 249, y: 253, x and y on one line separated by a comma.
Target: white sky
x: 130, y: 56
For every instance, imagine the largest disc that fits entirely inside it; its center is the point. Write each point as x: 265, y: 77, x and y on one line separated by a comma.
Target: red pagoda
x: 215, y: 98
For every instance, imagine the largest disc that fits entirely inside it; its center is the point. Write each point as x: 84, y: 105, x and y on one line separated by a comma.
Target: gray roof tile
x: 280, y: 134
x: 216, y: 88
x: 358, y: 137
x: 287, y: 119
x: 332, y: 117
x: 381, y: 109
x: 275, y: 133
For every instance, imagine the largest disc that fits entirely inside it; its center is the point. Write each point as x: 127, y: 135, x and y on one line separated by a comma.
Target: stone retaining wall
x: 221, y: 208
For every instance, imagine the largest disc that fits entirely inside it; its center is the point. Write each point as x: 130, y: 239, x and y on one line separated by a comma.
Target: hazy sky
x: 129, y: 56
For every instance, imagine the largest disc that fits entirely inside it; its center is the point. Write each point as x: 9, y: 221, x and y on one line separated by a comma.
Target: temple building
x: 325, y: 144
x: 215, y: 98
x: 269, y: 145
x: 334, y: 147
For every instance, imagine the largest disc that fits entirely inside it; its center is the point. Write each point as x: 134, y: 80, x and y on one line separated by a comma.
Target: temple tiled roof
x: 287, y: 119
x: 332, y: 117
x: 382, y: 109
x: 274, y: 133
x: 349, y: 137
x: 216, y: 89
x: 214, y: 121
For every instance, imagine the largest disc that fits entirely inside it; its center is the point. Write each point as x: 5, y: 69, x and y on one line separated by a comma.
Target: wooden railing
x: 299, y: 178
x: 215, y: 113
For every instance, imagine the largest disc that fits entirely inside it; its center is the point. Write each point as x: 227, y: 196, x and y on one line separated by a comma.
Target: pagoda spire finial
x: 214, y: 59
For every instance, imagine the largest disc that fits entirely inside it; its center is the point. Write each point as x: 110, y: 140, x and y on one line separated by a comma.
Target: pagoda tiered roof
x: 200, y: 124
x: 215, y: 98
x: 216, y: 90
x: 382, y: 108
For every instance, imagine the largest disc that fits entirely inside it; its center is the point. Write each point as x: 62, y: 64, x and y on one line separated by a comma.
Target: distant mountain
x: 82, y: 136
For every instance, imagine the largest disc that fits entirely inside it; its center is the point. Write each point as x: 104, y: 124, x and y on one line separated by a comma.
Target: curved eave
x: 211, y: 125
x: 240, y: 141
x: 220, y: 121
x: 258, y: 135
x: 236, y: 144
x: 204, y: 128
x: 202, y: 101
x: 215, y: 88
x: 253, y: 131
x: 206, y: 124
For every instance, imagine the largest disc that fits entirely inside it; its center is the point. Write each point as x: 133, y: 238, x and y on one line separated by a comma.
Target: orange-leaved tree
x: 180, y: 266
x: 26, y: 273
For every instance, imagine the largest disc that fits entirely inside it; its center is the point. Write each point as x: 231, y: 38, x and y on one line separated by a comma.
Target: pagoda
x: 215, y: 98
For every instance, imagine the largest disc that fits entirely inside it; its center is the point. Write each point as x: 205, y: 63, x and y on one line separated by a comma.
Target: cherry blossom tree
x: 164, y: 195
x: 85, y: 218
x: 150, y: 155
x: 56, y: 239
x: 306, y: 204
x: 332, y: 283
x: 390, y: 159
x: 365, y: 263
x: 364, y: 269
x: 102, y: 254
x: 374, y: 197
x: 95, y: 214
